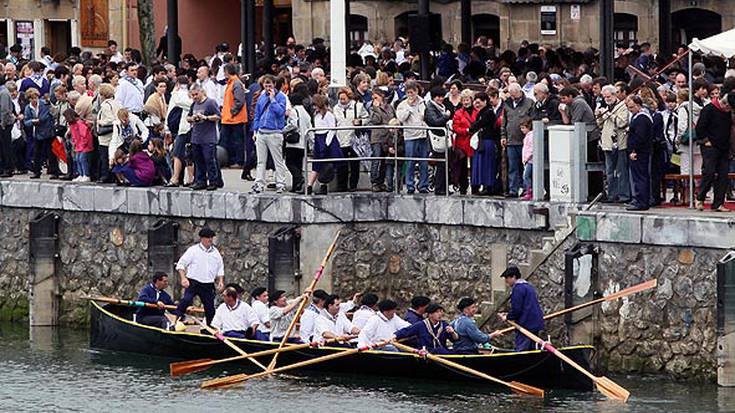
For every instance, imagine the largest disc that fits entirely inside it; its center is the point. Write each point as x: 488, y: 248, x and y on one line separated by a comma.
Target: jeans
x: 206, y: 169
x: 205, y: 292
x: 377, y: 167
x: 528, y: 177
x: 232, y: 138
x: 390, y: 175
x: 270, y: 142
x: 616, y: 173
x: 81, y: 162
x: 417, y: 148
x: 7, y: 162
x: 715, y: 166
x: 515, y: 167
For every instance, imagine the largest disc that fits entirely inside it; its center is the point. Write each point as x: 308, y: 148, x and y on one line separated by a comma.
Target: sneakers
x: 83, y: 179
x: 528, y: 195
x: 699, y: 205
x: 256, y: 189
x: 280, y: 189
x: 722, y: 208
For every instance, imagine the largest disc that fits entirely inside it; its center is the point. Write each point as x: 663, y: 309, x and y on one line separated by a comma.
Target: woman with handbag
x: 687, y: 134
x: 462, y: 152
x: 298, y: 124
x: 39, y: 120
x: 437, y: 116
x: 105, y: 119
x: 349, y: 113
x: 484, y: 161
x: 325, y: 145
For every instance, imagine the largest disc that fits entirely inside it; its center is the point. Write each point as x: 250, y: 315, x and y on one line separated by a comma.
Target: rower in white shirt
x: 368, y: 305
x: 260, y: 298
x: 331, y: 322
x: 234, y: 317
x: 382, y: 326
x: 308, y: 317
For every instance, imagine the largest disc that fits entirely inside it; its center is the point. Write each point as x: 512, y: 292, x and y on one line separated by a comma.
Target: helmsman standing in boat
x: 524, y: 307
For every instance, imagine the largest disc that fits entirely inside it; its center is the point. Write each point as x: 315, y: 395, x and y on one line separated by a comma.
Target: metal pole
x: 538, y: 160
x: 607, y: 63
x: 249, y: 45
x: 425, y: 56
x: 337, y: 46
x: 306, y: 163
x: 446, y: 164
x: 691, y: 128
x: 268, y: 28
x: 172, y: 33
x: 465, y: 11
x: 347, y: 28
x: 243, y: 36
x: 396, y: 172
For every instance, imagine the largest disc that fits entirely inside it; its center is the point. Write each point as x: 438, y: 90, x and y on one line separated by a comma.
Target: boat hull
x: 111, y: 329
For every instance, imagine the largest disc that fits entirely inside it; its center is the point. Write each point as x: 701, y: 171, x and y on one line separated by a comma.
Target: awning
x: 722, y: 45
x: 546, y: 1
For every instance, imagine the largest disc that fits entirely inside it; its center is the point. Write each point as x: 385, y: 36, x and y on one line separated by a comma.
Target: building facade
x: 508, y: 22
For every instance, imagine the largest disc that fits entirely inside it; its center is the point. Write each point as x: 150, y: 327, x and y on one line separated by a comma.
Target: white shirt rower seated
x: 382, y: 326
x: 234, y: 317
x: 260, y: 298
x: 362, y: 315
x: 333, y: 323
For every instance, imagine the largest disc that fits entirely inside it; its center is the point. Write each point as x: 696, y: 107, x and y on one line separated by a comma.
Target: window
x: 625, y: 29
x: 358, y: 29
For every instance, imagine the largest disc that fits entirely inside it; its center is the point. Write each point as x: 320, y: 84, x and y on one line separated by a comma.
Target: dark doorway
x: 687, y: 24
x: 284, y: 259
x: 402, y: 28
x: 358, y: 29
x: 58, y: 36
x: 487, y: 25
x: 625, y: 29
x: 4, y: 45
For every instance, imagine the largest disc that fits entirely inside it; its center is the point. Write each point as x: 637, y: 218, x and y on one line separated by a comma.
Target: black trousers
x: 159, y: 321
x: 348, y: 173
x: 640, y: 180
x: 103, y: 165
x: 715, y: 166
x: 658, y: 170
x: 205, y: 292
x: 43, y: 154
x: 295, y: 164
x: 7, y: 158
x: 440, y: 184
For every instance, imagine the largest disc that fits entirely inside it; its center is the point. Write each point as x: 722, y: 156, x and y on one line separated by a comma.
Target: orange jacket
x: 234, y: 101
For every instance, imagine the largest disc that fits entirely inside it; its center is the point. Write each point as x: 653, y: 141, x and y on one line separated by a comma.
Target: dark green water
x: 50, y: 370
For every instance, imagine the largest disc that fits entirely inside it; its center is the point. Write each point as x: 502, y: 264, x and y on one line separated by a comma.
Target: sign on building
x: 575, y: 12
x: 24, y: 37
x: 548, y: 20
x: 94, y: 22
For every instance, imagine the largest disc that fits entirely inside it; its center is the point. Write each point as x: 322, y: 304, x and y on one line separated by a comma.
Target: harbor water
x: 54, y: 370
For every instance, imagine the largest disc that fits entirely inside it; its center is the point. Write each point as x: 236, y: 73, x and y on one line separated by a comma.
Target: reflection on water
x: 55, y: 370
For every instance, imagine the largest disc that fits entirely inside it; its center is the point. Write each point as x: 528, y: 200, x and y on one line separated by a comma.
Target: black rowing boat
x: 112, y: 328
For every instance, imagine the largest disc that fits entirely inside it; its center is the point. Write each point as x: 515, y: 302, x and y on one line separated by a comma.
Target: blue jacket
x: 524, y: 307
x: 412, y: 317
x: 272, y: 117
x: 45, y: 129
x: 469, y: 335
x: 149, y: 294
x: 640, y: 133
x: 434, y: 343
x: 28, y: 83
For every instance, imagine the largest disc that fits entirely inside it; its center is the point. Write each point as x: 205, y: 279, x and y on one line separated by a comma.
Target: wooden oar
x: 302, y: 305
x: 514, y: 385
x: 620, y: 294
x: 606, y: 386
x: 131, y: 303
x: 192, y: 366
x: 239, y: 378
x: 224, y: 339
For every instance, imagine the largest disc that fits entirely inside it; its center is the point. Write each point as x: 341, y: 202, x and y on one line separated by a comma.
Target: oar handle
x: 134, y: 303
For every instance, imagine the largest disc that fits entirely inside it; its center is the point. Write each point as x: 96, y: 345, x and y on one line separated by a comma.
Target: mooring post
x: 44, y: 257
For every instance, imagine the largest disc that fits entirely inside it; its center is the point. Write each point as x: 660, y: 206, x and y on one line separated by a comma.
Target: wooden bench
x: 683, y: 180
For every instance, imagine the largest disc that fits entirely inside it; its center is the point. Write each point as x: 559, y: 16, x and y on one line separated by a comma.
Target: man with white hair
x: 531, y: 78
x: 585, y: 85
x: 517, y: 108
x: 546, y: 108
x: 317, y: 74
x: 79, y: 83
x: 210, y: 87
x: 612, y: 118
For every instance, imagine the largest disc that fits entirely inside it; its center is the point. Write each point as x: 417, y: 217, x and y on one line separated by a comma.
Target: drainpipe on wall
x: 124, y: 5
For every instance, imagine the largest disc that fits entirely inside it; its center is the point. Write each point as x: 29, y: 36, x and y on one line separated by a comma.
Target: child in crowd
x: 157, y: 152
x: 527, y: 130
x: 83, y: 143
x: 139, y: 169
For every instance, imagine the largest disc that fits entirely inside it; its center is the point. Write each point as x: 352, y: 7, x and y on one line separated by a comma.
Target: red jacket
x: 81, y: 137
x: 461, y: 126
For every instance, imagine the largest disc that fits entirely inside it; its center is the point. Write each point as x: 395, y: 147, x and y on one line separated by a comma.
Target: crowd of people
x: 110, y: 118
x: 365, y: 320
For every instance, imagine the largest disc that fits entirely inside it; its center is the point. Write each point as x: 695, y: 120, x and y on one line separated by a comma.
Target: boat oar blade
x: 181, y: 368
x: 634, y: 289
x: 521, y: 388
x: 611, y: 389
x: 224, y: 381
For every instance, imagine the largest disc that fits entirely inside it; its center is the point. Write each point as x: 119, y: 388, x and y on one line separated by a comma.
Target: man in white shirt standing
x: 382, y: 326
x: 199, y: 268
x: 210, y: 86
x: 260, y: 298
x: 234, y: 317
x: 130, y: 90
x: 331, y: 322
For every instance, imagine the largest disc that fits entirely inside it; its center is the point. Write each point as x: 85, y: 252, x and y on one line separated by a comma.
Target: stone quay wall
x: 396, y: 247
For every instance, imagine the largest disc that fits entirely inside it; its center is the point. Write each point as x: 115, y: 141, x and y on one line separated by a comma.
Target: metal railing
x: 395, y: 158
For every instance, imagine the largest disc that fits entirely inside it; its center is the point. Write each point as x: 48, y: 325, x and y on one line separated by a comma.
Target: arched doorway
x: 687, y: 24
x: 402, y: 27
x: 358, y: 29
x: 487, y: 25
x: 625, y: 29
